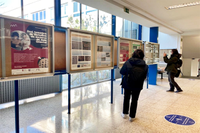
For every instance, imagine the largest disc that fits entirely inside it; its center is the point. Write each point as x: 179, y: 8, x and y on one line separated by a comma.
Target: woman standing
x: 172, y: 69
x: 134, y: 71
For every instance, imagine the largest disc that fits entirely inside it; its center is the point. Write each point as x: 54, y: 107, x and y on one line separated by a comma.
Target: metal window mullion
x: 3, y: 49
x: 22, y: 8
x: 123, y: 28
x: 98, y: 21
x: 80, y: 16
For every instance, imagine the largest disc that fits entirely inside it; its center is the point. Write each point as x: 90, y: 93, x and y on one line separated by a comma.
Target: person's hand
x: 164, y: 54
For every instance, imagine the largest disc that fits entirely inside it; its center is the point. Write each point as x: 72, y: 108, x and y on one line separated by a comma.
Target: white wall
x: 145, y: 33
x: 191, y: 46
x: 186, y: 69
x: 194, y: 67
x: 167, y: 41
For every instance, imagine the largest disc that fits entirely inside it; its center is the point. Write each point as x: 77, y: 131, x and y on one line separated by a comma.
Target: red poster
x: 124, y: 52
x: 29, y: 48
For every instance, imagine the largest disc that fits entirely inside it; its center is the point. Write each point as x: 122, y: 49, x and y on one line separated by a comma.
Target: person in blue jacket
x: 137, y: 66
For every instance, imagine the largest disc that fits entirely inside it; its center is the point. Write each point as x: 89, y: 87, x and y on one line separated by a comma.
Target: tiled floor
x: 93, y: 113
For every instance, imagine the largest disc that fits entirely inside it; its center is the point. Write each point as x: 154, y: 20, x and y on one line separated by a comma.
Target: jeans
x: 135, y: 95
x: 172, y: 82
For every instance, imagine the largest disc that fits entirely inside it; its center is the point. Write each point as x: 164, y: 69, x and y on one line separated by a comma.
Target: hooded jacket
x: 127, y: 67
x: 172, y: 63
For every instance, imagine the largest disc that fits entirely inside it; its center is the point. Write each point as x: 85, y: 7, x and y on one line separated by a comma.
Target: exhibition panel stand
x: 26, y: 52
x: 152, y: 51
x: 88, y: 51
x: 125, y: 49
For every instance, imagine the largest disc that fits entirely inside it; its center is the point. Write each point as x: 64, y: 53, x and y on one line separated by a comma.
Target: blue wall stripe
x: 154, y: 34
x: 140, y: 32
x: 113, y: 25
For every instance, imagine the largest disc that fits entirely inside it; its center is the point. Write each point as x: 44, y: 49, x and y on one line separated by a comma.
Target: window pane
x: 33, y: 17
x: 65, y: 81
x: 89, y: 77
x: 75, y: 80
x: 104, y: 75
x: 127, y: 28
x: 119, y: 26
x: 71, y: 18
x: 134, y: 32
x: 10, y: 7
x: 89, y: 18
x: 41, y: 9
x: 105, y: 21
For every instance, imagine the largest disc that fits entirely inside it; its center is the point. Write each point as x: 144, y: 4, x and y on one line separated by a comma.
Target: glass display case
x: 26, y: 48
x: 126, y: 47
x: 151, y: 52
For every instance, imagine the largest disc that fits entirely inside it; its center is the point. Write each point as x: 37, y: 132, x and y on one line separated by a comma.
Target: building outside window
x: 70, y: 12
x: 127, y: 29
x: 10, y: 8
x: 39, y: 10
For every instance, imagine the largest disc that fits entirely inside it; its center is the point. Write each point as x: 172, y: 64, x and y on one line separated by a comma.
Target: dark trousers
x: 135, y: 95
x: 172, y: 82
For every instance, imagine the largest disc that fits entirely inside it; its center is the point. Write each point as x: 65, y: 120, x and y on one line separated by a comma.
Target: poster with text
x: 124, y: 51
x: 29, y: 48
x: 104, y: 52
x: 81, y: 50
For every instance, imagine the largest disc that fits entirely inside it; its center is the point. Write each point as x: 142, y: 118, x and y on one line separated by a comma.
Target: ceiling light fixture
x: 183, y: 5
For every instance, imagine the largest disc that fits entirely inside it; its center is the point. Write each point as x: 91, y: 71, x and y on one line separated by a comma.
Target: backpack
x: 179, y: 63
x: 136, y: 75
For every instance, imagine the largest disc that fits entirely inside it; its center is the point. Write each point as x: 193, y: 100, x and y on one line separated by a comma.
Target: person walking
x: 134, y: 71
x: 171, y: 69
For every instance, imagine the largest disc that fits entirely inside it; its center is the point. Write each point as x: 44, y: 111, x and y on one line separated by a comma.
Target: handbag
x: 178, y: 73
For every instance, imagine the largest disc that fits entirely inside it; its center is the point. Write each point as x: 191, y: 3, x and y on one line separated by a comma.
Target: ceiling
x: 182, y: 20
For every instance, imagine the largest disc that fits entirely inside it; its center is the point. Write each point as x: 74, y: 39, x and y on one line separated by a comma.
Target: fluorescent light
x: 183, y: 5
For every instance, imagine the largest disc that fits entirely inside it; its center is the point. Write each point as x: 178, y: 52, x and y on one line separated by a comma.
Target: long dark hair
x: 138, y: 54
x: 174, y: 51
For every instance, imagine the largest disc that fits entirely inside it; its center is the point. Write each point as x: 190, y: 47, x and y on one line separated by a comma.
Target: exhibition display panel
x: 126, y: 47
x: 26, y: 48
x: 151, y: 52
x: 88, y: 51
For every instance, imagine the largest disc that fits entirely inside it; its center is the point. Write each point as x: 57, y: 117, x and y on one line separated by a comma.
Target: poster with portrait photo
x: 104, y: 52
x: 81, y: 48
x: 29, y: 48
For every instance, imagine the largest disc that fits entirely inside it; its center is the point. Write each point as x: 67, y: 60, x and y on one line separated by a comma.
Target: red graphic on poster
x: 29, y: 48
x: 124, y: 51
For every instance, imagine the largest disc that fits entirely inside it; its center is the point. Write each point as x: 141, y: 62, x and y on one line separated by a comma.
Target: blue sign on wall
x: 179, y: 119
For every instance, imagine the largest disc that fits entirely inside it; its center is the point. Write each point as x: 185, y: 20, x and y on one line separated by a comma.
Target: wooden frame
x: 131, y: 43
x: 5, y: 42
x: 85, y: 35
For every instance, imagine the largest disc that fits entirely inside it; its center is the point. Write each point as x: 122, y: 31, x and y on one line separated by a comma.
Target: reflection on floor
x: 93, y: 113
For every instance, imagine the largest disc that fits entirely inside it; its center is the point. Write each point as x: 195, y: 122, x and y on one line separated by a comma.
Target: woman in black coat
x: 132, y: 86
x: 172, y: 69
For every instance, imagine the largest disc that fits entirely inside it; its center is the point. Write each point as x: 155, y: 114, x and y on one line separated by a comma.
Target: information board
x: 126, y: 48
x: 28, y: 47
x: 104, y: 52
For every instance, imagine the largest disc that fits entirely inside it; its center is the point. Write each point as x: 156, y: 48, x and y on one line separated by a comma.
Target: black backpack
x: 179, y: 63
x: 136, y: 74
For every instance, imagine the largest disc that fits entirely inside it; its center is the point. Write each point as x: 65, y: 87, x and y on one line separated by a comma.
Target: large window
x: 89, y: 77
x: 89, y: 18
x: 127, y: 28
x: 105, y: 22
x: 10, y: 7
x: 39, y: 10
x: 119, y: 27
x: 70, y: 14
x: 134, y: 31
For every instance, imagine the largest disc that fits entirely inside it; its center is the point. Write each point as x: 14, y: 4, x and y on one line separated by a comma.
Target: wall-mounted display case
x: 26, y: 48
x: 88, y: 51
x: 126, y: 47
x: 152, y: 51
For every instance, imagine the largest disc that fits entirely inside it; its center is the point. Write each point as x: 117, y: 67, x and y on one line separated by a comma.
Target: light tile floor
x: 92, y: 112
